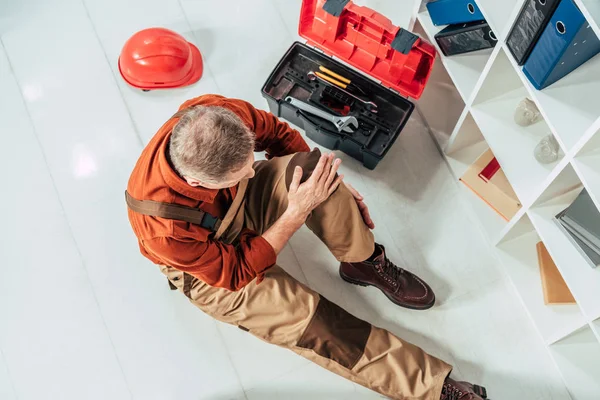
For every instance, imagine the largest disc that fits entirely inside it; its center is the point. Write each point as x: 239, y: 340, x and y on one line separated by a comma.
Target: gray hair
x: 210, y: 142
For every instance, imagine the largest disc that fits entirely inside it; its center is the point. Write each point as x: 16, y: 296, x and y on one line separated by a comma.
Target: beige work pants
x: 284, y: 312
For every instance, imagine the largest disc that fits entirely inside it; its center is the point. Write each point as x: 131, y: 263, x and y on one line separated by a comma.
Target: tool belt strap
x: 173, y: 211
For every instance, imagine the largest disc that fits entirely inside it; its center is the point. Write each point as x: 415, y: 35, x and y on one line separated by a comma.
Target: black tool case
x: 400, y: 60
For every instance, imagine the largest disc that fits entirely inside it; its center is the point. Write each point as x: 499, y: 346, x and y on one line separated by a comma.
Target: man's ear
x: 192, y: 182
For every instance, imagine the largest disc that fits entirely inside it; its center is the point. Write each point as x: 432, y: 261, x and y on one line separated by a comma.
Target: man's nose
x: 251, y: 174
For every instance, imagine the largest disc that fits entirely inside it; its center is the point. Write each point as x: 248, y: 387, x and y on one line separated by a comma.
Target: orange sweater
x: 191, y: 248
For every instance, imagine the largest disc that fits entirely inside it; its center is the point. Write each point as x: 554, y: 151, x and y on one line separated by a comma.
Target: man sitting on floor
x: 215, y: 220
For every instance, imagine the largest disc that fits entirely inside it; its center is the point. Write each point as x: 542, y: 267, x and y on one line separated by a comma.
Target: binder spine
x: 584, y: 46
x: 566, y: 43
x: 530, y: 24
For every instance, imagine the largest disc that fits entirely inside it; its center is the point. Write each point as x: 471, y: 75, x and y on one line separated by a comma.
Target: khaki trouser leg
x: 283, y: 311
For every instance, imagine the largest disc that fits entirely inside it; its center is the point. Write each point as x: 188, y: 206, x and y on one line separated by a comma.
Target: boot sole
x: 480, y: 391
x: 410, y: 307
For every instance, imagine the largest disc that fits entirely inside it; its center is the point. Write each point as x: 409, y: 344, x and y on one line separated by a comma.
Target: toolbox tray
x: 376, y: 132
x: 390, y: 63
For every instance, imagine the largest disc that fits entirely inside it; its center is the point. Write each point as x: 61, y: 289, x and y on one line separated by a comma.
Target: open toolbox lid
x: 370, y: 42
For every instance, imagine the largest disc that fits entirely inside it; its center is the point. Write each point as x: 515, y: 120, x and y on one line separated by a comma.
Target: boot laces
x: 391, y: 272
x: 451, y: 392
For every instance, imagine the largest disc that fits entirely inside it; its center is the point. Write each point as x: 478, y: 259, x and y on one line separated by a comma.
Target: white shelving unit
x: 481, y: 91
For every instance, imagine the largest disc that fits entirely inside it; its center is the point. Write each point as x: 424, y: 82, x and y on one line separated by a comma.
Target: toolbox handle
x: 335, y: 7
x: 379, y: 20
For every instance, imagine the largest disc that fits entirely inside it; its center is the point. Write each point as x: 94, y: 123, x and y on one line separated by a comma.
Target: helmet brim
x: 197, y: 66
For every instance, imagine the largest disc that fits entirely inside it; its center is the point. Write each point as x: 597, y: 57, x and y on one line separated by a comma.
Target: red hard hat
x: 159, y: 58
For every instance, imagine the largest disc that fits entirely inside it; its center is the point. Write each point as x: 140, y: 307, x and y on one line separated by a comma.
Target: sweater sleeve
x: 218, y: 264
x: 275, y: 137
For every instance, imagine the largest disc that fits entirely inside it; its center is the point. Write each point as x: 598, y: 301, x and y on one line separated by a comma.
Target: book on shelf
x: 486, y: 179
x: 584, y: 218
x: 553, y: 285
x: 581, y: 224
x: 592, y: 257
x: 576, y: 234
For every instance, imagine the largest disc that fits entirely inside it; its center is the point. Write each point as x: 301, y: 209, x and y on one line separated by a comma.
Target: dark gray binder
x: 528, y: 27
x: 464, y: 38
x: 581, y: 222
x: 590, y: 255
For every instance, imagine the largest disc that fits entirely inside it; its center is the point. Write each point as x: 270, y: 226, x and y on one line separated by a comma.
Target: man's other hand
x: 364, y: 210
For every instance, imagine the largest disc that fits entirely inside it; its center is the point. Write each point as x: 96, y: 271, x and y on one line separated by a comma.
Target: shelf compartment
x: 463, y: 149
x: 499, y: 14
x: 519, y: 255
x: 578, y: 359
x: 489, y: 220
x: 571, y: 105
x: 587, y: 165
x: 441, y: 104
x: 466, y: 146
x: 464, y: 69
x: 513, y: 145
x: 581, y: 278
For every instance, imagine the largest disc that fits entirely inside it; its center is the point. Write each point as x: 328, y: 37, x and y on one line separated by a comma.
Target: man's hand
x: 364, y: 210
x: 305, y: 197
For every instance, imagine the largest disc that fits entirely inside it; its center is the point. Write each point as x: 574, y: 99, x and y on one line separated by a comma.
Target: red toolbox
x: 338, y: 106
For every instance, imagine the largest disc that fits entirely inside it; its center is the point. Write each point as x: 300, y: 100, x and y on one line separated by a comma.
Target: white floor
x: 84, y: 316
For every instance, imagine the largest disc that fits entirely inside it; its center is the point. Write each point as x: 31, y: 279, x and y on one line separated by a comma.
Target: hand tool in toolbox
x: 333, y: 103
x: 381, y: 66
x: 338, y: 80
x: 341, y: 123
x: 371, y: 106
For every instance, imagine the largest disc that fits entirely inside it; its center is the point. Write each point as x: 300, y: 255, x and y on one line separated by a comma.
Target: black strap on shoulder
x: 173, y: 211
x: 335, y: 7
x: 404, y: 41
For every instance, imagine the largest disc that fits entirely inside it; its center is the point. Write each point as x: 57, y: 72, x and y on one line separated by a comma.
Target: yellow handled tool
x: 331, y: 80
x: 338, y: 80
x: 337, y: 76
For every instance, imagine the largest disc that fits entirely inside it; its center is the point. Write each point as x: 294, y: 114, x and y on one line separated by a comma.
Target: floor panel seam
x: 3, y: 357
x: 69, y: 226
x: 227, y: 351
x: 193, y: 33
x: 112, y: 73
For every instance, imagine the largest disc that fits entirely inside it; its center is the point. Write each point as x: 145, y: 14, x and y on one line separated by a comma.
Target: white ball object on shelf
x: 547, y: 150
x: 527, y: 113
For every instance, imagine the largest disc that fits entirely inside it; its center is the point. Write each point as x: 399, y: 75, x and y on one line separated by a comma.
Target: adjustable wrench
x: 341, y: 123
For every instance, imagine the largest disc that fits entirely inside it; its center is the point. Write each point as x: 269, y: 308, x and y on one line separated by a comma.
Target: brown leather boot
x: 400, y: 286
x: 453, y: 390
